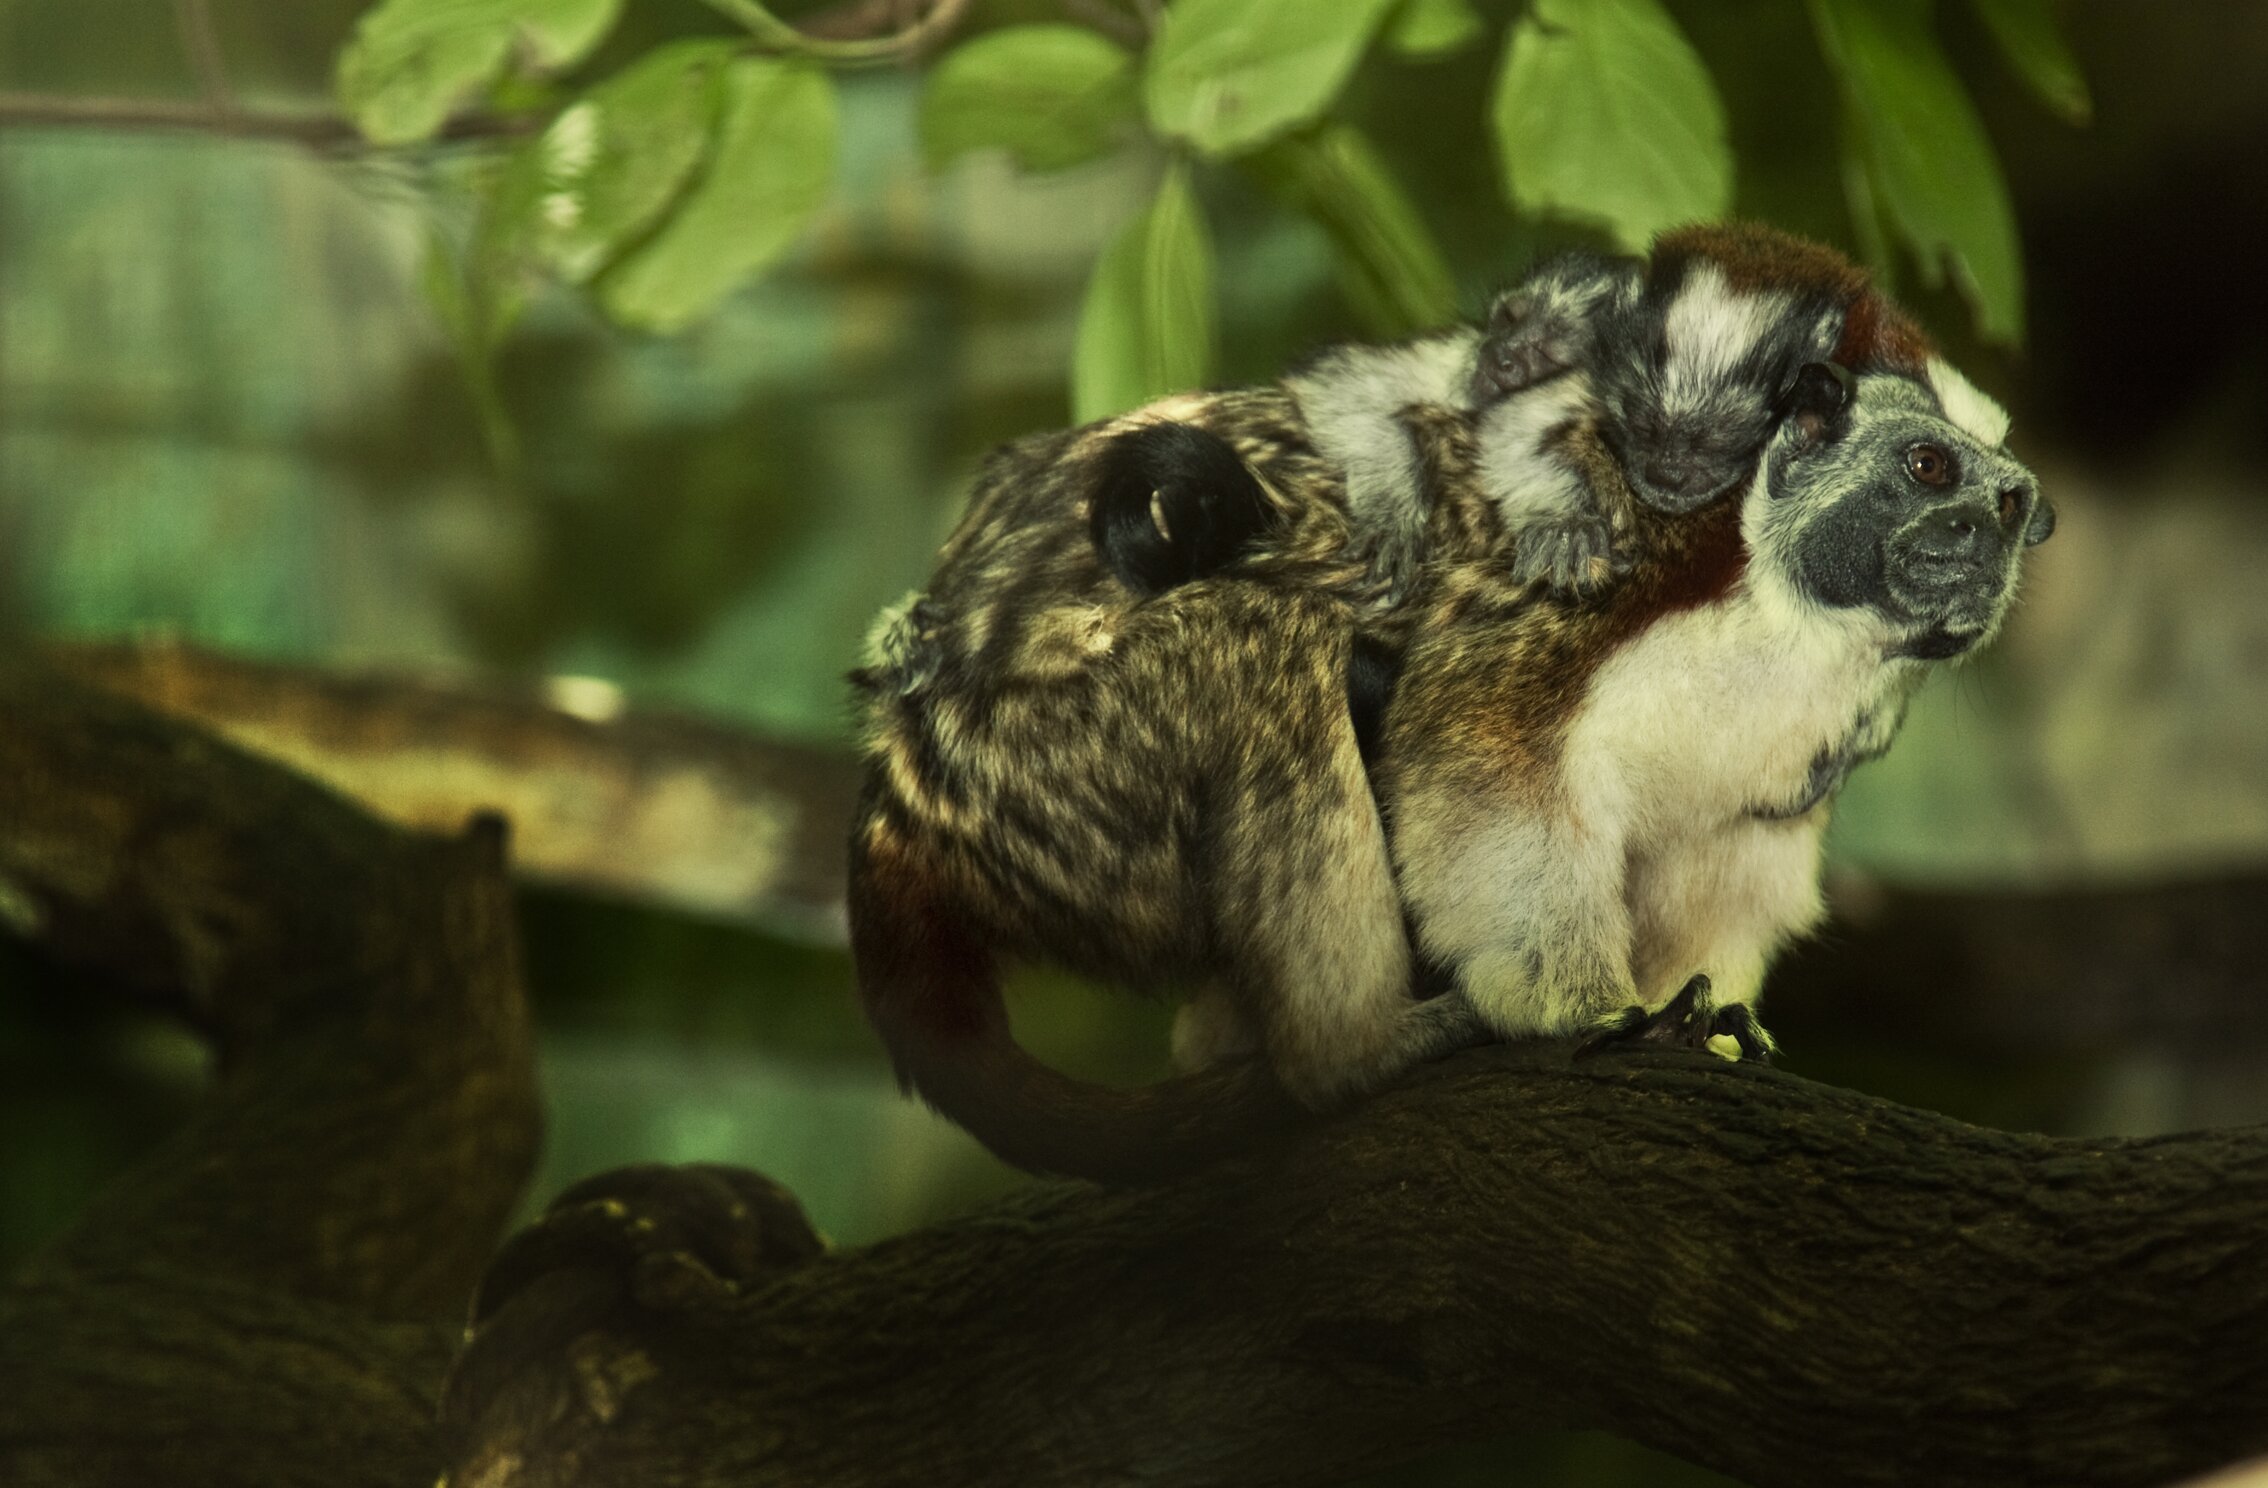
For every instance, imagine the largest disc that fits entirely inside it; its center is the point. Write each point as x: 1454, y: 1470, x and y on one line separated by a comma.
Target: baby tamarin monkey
x: 1590, y: 801
x: 1683, y: 362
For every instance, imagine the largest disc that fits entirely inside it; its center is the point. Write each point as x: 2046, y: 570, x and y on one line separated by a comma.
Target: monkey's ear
x: 1818, y: 393
x: 2042, y: 525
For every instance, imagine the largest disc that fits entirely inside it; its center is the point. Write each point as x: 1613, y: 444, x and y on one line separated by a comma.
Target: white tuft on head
x: 1965, y: 407
x: 1710, y: 327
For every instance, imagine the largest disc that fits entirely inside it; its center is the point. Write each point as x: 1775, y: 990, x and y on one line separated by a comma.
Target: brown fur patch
x: 1752, y: 256
x: 1496, y: 671
x: 916, y: 945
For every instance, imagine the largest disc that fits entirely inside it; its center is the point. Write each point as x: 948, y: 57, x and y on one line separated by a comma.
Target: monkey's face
x: 1874, y: 500
x: 1681, y: 452
x: 1694, y: 379
x: 1547, y: 324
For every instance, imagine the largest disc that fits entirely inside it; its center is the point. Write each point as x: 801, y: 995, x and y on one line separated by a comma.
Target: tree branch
x: 645, y: 806
x: 202, y: 45
x: 272, y: 1296
x: 1789, y: 1283
x: 2017, y: 974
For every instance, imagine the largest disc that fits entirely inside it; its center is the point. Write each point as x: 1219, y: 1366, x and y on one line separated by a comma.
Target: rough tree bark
x: 1792, y: 1283
x: 272, y: 1297
x: 1789, y: 1283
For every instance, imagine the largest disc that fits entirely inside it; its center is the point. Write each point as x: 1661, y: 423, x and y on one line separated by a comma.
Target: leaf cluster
x: 693, y: 167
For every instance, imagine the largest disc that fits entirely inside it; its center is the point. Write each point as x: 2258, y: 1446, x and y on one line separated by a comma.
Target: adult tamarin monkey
x: 1592, y: 802
x: 1641, y: 792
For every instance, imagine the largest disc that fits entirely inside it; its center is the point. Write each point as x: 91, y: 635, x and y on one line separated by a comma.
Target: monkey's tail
x: 932, y: 990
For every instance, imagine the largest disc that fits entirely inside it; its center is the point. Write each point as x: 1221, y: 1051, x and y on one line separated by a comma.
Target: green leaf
x: 2028, y: 38
x: 1146, y: 328
x: 1390, y: 267
x: 1604, y: 114
x: 615, y: 159
x: 1051, y: 96
x: 1934, y: 171
x: 411, y: 61
x: 771, y: 169
x: 1432, y: 28
x: 1227, y: 75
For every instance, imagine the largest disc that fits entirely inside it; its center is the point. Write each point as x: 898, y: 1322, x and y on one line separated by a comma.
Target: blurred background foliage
x: 655, y: 342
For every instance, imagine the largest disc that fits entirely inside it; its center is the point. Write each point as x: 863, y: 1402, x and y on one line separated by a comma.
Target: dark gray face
x: 1878, y: 501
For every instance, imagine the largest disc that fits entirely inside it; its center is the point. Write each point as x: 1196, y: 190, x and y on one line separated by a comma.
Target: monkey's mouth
x: 1940, y: 643
x: 1945, y: 622
x: 1680, y: 486
x: 1950, y: 572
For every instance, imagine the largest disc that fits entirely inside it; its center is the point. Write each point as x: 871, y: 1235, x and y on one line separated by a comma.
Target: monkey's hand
x: 1571, y: 556
x: 1690, y: 1020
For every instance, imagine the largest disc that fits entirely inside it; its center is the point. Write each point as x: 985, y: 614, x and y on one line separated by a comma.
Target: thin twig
x: 906, y: 42
x: 218, y: 112
x: 202, y: 44
x: 321, y: 131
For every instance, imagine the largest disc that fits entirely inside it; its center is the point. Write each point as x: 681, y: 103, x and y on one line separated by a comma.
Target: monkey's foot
x: 1690, y: 1020
x: 1447, y: 1023
x: 1573, y: 556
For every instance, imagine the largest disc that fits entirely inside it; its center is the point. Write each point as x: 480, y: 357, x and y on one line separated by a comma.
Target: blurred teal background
x: 229, y: 413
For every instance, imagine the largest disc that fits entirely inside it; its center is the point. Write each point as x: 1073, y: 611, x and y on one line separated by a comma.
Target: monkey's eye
x: 1930, y: 465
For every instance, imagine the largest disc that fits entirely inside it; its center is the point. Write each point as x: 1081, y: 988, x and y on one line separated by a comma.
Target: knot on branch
x: 607, y: 1293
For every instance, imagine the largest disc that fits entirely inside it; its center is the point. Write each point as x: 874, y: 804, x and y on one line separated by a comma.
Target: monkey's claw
x: 1573, y: 556
x: 1690, y: 1020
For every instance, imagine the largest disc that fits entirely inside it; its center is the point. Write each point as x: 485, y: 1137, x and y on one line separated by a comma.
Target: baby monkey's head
x: 1692, y: 375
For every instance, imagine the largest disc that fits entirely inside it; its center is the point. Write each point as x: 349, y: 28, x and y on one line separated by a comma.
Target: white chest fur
x: 1669, y: 848
x: 1692, y: 741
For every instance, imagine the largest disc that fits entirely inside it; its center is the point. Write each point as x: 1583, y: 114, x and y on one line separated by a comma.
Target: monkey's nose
x: 1663, y: 476
x: 1686, y: 483
x: 1949, y: 537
